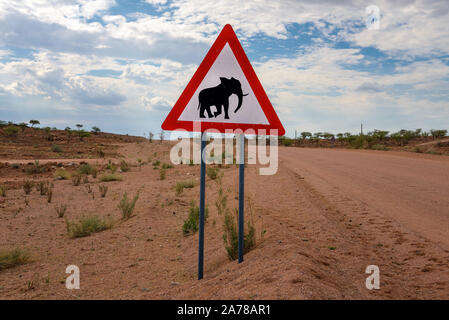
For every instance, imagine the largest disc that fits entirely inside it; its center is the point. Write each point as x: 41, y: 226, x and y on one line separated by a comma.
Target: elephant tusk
x: 245, y: 94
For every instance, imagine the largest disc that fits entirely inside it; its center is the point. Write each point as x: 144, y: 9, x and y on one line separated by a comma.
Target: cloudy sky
x: 122, y: 64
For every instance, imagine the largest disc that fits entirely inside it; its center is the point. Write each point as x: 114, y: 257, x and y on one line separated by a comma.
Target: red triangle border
x: 227, y: 35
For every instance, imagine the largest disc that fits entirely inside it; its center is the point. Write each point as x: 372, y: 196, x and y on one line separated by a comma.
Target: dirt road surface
x: 411, y: 190
x: 331, y: 213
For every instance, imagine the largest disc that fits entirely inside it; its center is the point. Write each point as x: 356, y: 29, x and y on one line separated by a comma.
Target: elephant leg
x: 202, y: 111
x: 209, y: 113
x: 226, y: 108
x: 207, y: 109
x: 218, y: 112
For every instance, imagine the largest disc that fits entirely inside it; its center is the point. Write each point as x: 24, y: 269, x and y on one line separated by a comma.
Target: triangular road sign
x: 224, y: 93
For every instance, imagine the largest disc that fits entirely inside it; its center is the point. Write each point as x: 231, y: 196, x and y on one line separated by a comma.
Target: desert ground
x: 320, y: 221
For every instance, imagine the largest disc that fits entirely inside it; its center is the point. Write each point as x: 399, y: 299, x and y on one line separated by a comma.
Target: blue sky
x: 121, y: 65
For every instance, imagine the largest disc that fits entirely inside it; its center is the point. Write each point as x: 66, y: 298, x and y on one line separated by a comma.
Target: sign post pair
x: 224, y: 93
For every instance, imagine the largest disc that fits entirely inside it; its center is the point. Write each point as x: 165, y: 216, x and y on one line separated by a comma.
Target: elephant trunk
x: 240, y: 95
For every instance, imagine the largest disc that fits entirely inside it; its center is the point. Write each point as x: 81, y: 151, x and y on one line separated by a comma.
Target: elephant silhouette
x: 219, y: 97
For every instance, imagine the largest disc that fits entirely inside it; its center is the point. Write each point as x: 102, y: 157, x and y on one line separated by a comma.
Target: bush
x: 15, y: 257
x: 156, y: 163
x: 230, y: 235
x: 191, y: 224
x: 212, y: 172
x: 184, y: 184
x: 35, y: 169
x: 167, y: 166
x: 49, y: 195
x: 28, y: 186
x: 56, y: 148
x: 124, y: 166
x: 221, y: 202
x: 103, y: 190
x: 86, y: 169
x: 60, y: 210
x: 379, y: 147
x: 110, y: 177
x: 83, y: 134
x: 127, y: 207
x: 76, y: 179
x: 162, y: 174
x: 3, y: 190
x: 111, y: 167
x: 42, y: 187
x: 11, y: 130
x: 287, y: 142
x: 61, y: 174
x: 86, y: 226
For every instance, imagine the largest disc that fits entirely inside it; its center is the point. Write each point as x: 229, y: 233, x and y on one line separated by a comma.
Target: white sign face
x: 219, y: 91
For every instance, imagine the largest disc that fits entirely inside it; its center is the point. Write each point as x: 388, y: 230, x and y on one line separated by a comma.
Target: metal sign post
x: 202, y: 204
x: 241, y: 196
x: 225, y: 70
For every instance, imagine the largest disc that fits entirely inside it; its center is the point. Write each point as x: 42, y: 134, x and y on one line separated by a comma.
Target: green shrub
x: 103, y: 190
x: 56, y: 148
x: 167, y: 166
x: 15, y: 257
x: 184, y: 184
x: 86, y: 169
x: 230, y: 235
x: 379, y: 147
x: 42, y: 187
x: 212, y: 172
x: 35, y: 169
x: 156, y: 163
x: 110, y: 177
x: 61, y: 174
x: 287, y: 142
x: 3, y: 190
x: 191, y: 224
x: 127, y: 207
x: 49, y: 195
x: 162, y: 174
x: 83, y: 134
x: 111, y: 167
x: 221, y: 202
x: 86, y: 226
x: 28, y: 186
x: 124, y: 166
x: 76, y: 179
x: 60, y: 210
x: 11, y: 130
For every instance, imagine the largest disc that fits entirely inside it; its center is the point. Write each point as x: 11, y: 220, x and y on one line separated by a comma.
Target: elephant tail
x: 199, y: 104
